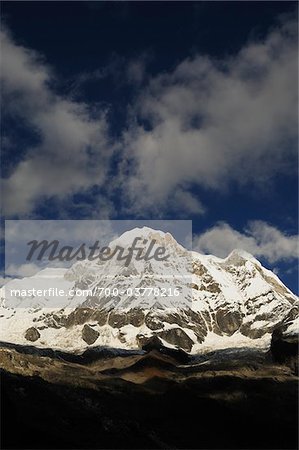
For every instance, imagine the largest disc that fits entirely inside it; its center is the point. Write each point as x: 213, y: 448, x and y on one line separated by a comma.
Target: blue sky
x: 156, y: 110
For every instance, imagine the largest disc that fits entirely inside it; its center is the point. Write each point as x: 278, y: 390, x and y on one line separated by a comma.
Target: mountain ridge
x: 222, y: 303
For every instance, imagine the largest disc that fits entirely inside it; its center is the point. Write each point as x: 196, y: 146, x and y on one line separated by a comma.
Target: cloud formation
x: 24, y: 270
x: 259, y: 238
x: 206, y: 123
x: 73, y: 150
x: 210, y: 122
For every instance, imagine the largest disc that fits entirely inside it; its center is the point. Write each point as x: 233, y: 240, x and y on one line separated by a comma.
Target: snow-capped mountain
x: 188, y: 300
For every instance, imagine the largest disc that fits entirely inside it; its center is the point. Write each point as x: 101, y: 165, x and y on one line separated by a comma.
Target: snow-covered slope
x: 191, y: 301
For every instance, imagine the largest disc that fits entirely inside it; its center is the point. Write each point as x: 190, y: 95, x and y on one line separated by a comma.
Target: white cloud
x: 206, y: 123
x: 186, y: 202
x: 259, y: 239
x: 24, y: 270
x: 209, y: 122
x: 74, y: 148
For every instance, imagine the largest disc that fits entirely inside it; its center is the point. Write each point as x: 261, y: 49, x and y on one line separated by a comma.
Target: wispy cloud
x: 205, y: 123
x: 209, y: 122
x: 74, y: 148
x: 259, y: 238
x: 24, y: 270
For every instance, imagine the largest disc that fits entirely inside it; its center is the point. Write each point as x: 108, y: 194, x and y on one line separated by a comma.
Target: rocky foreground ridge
x: 152, y: 398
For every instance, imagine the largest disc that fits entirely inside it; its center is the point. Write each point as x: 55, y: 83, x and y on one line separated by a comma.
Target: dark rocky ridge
x: 225, y: 412
x: 153, y: 398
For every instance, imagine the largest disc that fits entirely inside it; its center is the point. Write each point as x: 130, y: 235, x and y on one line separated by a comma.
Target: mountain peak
x: 239, y: 253
x: 145, y: 233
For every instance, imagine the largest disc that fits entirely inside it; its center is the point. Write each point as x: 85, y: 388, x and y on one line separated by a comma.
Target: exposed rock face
x: 136, y: 317
x: 178, y: 337
x: 153, y: 322
x: 247, y: 330
x: 228, y: 321
x: 101, y: 316
x: 89, y: 335
x: 117, y: 319
x: 32, y: 334
x: 79, y: 316
x: 149, y: 343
